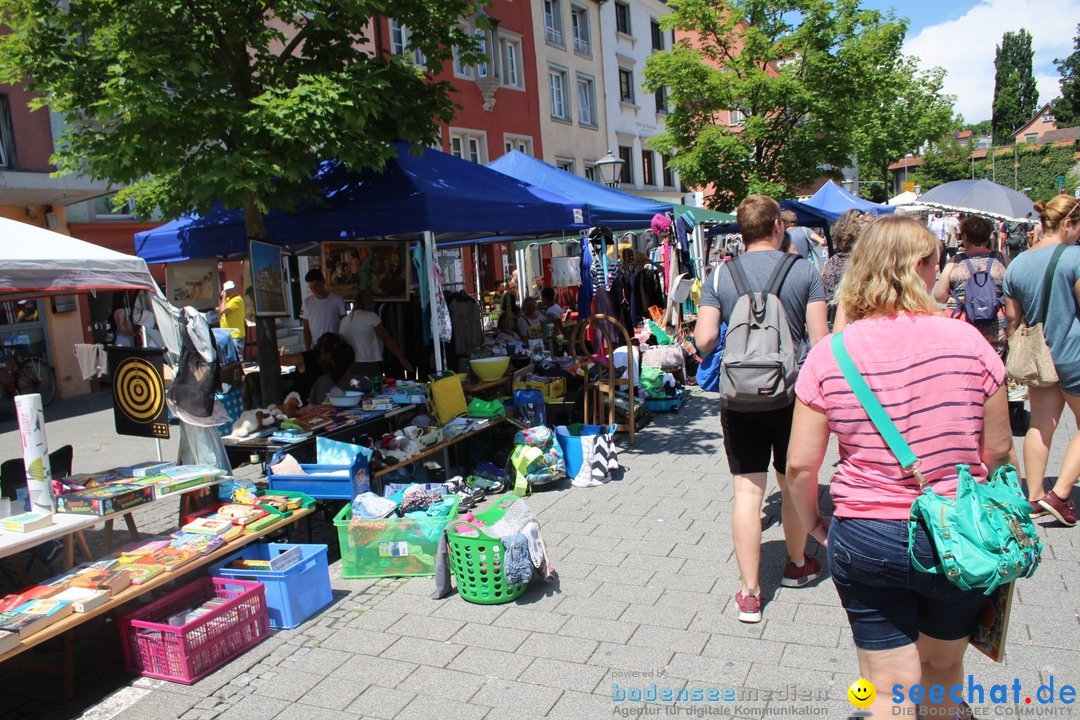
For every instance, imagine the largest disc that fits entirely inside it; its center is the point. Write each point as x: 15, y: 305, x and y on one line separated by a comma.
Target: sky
x: 962, y: 35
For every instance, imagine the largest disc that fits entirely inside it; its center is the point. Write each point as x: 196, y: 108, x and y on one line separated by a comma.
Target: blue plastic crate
x: 319, y: 484
x: 668, y: 404
x: 292, y: 595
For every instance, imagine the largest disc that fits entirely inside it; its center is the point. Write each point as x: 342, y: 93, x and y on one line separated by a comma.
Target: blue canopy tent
x: 433, y: 192
x: 833, y: 201
x: 604, y: 205
x: 429, y: 192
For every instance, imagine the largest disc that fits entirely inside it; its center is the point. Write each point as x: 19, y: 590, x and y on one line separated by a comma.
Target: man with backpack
x: 771, y: 302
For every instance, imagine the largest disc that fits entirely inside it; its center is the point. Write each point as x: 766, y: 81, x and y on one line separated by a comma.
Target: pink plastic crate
x: 188, y: 652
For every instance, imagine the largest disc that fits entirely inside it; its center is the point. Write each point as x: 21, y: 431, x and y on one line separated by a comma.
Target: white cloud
x: 965, y: 48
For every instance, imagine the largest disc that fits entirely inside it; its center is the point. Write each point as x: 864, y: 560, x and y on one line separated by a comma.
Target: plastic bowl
x: 489, y: 369
x: 351, y: 398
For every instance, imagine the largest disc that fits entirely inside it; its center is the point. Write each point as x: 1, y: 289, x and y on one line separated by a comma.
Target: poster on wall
x: 379, y: 268
x: 193, y: 282
x: 268, y: 280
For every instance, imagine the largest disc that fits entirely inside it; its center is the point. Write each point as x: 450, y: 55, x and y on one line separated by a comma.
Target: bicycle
x: 22, y: 374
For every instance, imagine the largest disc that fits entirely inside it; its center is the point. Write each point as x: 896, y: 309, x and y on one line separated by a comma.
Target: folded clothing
x: 369, y: 506
x: 517, y: 564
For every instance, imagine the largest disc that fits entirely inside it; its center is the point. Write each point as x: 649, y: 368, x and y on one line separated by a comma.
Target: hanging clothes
x: 419, y: 260
x: 585, y: 293
x: 465, y: 317
x: 565, y: 272
x: 442, y: 312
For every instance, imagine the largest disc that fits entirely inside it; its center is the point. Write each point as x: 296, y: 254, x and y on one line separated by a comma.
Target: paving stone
x: 532, y: 620
x: 669, y: 639
x: 166, y: 706
x: 368, y: 642
x: 630, y: 658
x: 490, y: 637
x: 761, y: 651
x: 333, y: 693
x: 379, y: 702
x: 716, y: 672
x: 569, y: 649
x: 423, y: 652
x: 430, y: 707
x: 455, y: 608
x: 623, y: 575
x: 666, y: 615
x: 256, y: 707
x: 594, y: 607
x: 634, y: 594
x: 490, y: 663
x: 443, y: 683
x: 568, y: 569
x: 803, y: 634
x: 374, y: 620
x: 577, y: 705
x: 817, y: 658
x: 309, y: 712
x: 364, y: 668
x: 662, y: 566
x: 316, y: 660
x: 563, y: 675
x: 596, y: 629
x: 498, y: 693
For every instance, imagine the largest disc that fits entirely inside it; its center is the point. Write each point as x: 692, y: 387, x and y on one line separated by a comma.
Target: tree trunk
x: 265, y: 327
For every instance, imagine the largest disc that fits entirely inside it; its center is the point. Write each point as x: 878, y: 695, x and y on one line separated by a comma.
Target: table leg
x: 130, y: 520
x: 69, y: 551
x: 108, y: 536
x: 80, y: 537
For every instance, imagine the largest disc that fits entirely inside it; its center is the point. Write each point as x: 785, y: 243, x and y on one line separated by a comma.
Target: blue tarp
x: 604, y: 206
x: 833, y: 201
x: 436, y: 192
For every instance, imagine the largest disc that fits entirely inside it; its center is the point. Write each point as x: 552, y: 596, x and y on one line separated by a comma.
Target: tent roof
x: 703, y: 215
x: 981, y: 197
x: 38, y: 262
x: 430, y: 191
x: 904, y: 198
x: 604, y: 205
x: 834, y: 201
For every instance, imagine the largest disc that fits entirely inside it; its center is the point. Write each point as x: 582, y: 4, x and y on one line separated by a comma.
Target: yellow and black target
x: 138, y: 394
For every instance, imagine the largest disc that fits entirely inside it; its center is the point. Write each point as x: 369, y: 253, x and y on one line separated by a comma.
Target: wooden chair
x: 603, y: 390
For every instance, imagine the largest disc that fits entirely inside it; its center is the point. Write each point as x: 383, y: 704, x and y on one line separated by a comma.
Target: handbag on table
x: 984, y: 537
x: 1029, y: 360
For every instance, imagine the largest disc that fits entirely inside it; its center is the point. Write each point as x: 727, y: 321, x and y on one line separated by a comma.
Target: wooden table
x: 266, y: 450
x: 66, y: 627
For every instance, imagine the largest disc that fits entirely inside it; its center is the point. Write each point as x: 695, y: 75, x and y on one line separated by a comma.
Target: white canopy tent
x: 35, y: 262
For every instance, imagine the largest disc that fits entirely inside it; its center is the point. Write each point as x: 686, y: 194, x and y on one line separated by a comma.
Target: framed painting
x: 379, y: 268
x: 193, y: 282
x: 268, y: 280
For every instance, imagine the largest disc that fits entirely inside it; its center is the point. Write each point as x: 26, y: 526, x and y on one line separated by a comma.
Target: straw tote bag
x: 1029, y: 359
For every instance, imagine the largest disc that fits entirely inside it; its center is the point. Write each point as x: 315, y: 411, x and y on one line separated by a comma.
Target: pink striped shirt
x: 932, y: 375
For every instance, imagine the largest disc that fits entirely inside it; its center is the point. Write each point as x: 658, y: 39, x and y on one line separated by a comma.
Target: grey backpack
x: 761, y: 355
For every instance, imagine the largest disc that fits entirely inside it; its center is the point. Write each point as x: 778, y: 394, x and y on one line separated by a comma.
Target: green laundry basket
x: 476, y: 562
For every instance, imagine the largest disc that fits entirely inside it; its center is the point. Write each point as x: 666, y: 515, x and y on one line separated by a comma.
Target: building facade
x: 630, y: 34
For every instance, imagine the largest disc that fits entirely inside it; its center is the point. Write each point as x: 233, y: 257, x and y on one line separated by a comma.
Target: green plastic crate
x: 389, y: 547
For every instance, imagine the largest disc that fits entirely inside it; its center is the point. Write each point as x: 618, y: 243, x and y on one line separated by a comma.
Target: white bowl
x: 348, y: 400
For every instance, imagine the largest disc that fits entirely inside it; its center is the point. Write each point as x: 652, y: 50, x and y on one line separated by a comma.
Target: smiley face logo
x: 862, y: 693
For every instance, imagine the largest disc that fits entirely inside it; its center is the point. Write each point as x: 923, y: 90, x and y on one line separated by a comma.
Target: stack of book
x: 27, y: 522
x: 34, y: 616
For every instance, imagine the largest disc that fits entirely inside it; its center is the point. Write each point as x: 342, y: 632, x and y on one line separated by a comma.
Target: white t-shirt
x: 323, y: 315
x: 938, y: 226
x: 358, y: 327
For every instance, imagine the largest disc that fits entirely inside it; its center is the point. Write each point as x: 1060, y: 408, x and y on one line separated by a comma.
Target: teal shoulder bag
x: 984, y: 536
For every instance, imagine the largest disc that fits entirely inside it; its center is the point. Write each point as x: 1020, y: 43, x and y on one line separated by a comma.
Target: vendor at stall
x: 506, y: 329
x: 340, y: 375
x: 364, y: 332
x: 530, y: 318
x: 322, y: 310
x: 552, y: 310
x: 231, y: 310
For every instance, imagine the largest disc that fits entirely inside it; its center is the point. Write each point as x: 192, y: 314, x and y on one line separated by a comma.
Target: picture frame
x: 193, y: 282
x: 381, y: 268
x: 268, y: 280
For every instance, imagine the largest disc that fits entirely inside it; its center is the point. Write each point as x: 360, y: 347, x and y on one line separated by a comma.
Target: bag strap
x: 884, y: 425
x: 779, y: 273
x: 1048, y: 282
x: 738, y: 276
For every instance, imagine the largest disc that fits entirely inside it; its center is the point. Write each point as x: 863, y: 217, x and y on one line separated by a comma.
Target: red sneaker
x: 749, y: 607
x: 795, y: 576
x: 1063, y: 510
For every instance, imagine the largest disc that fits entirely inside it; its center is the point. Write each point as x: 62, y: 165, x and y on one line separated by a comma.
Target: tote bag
x: 1029, y: 360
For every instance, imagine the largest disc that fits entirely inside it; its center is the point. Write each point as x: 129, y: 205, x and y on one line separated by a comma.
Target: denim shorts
x: 888, y: 602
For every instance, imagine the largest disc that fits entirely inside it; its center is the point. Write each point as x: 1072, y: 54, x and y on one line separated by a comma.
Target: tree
x: 1067, y: 107
x: 900, y: 109
x: 1016, y: 98
x: 233, y: 101
x: 945, y: 160
x: 792, y: 67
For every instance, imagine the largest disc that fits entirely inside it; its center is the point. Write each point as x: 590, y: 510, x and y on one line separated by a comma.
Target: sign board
x: 138, y: 392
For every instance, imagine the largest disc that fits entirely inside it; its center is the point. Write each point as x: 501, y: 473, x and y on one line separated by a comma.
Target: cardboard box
x: 550, y: 387
x: 104, y: 500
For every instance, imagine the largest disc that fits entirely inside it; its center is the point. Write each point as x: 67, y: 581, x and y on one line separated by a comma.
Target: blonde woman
x: 1024, y: 287
x: 943, y: 386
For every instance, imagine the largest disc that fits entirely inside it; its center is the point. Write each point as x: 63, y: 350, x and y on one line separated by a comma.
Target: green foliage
x: 1030, y: 166
x: 978, y: 129
x: 191, y: 103
x: 945, y: 161
x: 1067, y: 107
x: 1016, y: 98
x: 803, y: 73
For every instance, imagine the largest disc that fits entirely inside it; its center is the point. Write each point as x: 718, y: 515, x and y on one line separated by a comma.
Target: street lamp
x: 610, y: 169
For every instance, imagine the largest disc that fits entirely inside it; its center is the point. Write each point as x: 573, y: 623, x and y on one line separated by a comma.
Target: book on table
x: 27, y: 522
x: 208, y: 526
x: 34, y: 616
x: 111, y: 580
x: 168, y: 558
x: 8, y: 641
x: 142, y: 573
x: 84, y: 599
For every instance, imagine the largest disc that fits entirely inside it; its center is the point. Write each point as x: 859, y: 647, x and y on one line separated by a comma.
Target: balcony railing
x: 553, y: 35
x: 582, y: 47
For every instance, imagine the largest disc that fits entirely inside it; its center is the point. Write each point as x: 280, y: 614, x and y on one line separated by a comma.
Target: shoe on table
x: 1063, y: 510
x: 749, y: 607
x: 795, y: 576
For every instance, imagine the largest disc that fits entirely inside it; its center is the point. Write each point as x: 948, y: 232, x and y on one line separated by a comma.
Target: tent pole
x: 429, y: 249
x: 476, y: 272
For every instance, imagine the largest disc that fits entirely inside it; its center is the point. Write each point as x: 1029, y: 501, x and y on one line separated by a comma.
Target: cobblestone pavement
x: 644, y: 595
